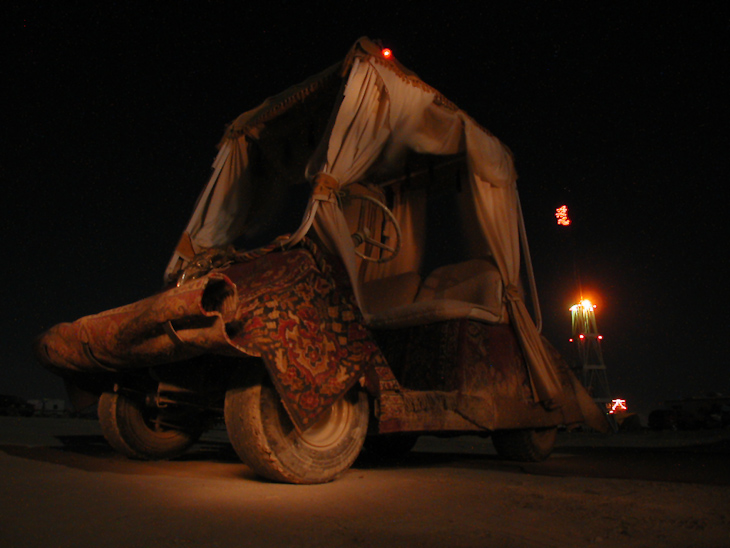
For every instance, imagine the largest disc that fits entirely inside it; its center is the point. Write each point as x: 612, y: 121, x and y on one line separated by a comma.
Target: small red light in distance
x: 387, y: 53
x: 617, y: 406
x: 562, y: 215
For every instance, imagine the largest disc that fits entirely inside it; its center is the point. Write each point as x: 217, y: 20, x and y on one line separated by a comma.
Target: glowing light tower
x: 590, y: 369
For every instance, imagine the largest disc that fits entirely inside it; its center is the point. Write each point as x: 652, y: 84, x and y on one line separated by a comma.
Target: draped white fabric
x: 384, y: 113
x: 222, y: 206
x: 498, y: 213
x: 381, y: 117
x: 229, y: 202
x: 358, y: 135
x: 223, y: 209
x: 379, y: 120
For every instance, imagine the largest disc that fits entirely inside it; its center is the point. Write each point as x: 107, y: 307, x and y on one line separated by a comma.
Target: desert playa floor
x: 62, y: 486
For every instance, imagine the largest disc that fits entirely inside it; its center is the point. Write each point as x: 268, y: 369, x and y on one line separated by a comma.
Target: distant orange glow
x: 387, y: 53
x: 562, y: 215
x: 585, y: 304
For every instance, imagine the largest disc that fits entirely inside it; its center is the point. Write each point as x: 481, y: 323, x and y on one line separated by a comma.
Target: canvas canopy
x: 369, y: 122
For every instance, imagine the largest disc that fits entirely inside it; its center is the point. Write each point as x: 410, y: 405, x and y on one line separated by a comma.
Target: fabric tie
x: 324, y: 187
x: 512, y: 293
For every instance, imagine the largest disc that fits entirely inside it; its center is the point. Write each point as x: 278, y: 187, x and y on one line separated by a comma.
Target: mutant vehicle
x: 355, y: 273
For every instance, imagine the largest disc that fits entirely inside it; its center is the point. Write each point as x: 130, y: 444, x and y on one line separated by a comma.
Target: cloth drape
x: 223, y: 210
x: 359, y: 134
x: 379, y: 120
x: 498, y: 214
x: 385, y: 113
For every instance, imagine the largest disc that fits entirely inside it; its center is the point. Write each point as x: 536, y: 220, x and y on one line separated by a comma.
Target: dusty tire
x: 264, y: 437
x: 127, y: 426
x: 528, y: 445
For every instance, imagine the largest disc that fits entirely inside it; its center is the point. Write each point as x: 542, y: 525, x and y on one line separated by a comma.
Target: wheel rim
x: 150, y: 419
x: 330, y: 428
x: 132, y: 429
x: 158, y: 430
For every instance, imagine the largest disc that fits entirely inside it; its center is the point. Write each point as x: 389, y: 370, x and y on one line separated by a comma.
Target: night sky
x: 618, y: 111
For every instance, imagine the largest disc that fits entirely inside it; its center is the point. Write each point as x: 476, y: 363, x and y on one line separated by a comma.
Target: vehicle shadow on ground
x: 215, y: 458
x: 701, y: 463
x: 92, y: 453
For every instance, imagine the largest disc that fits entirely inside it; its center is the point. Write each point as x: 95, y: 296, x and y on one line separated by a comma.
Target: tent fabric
x: 383, y: 113
x: 224, y: 210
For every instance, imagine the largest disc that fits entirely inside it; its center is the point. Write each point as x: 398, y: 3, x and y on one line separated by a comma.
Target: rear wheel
x: 140, y: 432
x: 528, y: 445
x: 264, y: 437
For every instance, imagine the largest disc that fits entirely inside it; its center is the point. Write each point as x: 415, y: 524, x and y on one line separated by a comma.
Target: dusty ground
x: 61, y: 486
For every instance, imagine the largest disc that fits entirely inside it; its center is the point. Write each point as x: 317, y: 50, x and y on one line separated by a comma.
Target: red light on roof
x: 600, y: 337
x: 582, y: 336
x: 387, y: 53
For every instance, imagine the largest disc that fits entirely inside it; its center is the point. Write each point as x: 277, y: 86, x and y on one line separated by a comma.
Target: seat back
x: 472, y: 289
x: 475, y: 282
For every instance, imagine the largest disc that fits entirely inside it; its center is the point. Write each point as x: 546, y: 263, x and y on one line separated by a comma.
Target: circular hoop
x: 365, y: 236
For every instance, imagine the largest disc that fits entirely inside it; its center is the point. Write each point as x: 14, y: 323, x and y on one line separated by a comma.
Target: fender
x: 297, y: 312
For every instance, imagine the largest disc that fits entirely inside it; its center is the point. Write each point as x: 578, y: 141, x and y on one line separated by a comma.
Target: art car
x: 354, y: 274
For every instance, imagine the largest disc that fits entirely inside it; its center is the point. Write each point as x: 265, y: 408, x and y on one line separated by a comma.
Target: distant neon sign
x: 618, y: 406
x: 562, y: 215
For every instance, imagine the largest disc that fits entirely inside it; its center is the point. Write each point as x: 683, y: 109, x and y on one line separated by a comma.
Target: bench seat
x: 472, y: 289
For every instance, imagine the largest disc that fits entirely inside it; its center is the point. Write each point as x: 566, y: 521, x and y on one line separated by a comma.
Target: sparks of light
x: 618, y: 406
x: 387, y: 53
x: 562, y: 215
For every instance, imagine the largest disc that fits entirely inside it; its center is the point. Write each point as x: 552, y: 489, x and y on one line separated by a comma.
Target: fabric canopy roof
x: 359, y: 118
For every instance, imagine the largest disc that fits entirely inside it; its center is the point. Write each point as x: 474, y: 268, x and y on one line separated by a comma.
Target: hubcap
x: 328, y: 430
